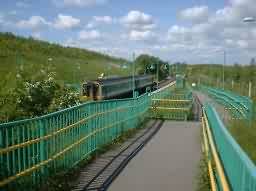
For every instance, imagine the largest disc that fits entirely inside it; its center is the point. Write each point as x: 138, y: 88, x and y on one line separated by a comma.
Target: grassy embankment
x: 24, y: 67
x: 72, y: 65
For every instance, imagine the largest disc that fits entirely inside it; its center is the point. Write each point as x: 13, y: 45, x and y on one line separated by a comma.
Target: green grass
x: 203, y: 180
x: 15, y: 51
x: 245, y: 136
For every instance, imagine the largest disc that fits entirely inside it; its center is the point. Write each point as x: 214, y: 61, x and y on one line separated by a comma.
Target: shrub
x: 35, y: 95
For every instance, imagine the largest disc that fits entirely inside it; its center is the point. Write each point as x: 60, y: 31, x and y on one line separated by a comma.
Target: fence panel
x: 33, y: 149
x: 41, y: 146
x: 242, y: 107
x: 240, y: 170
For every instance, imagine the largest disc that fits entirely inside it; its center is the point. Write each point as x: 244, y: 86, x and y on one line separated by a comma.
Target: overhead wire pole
x: 157, y: 75
x: 133, y: 75
x: 223, y: 71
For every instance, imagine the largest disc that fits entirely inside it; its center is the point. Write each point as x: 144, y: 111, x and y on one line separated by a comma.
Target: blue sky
x: 195, y: 31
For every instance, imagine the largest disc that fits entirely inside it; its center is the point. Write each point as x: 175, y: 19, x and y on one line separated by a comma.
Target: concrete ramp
x: 168, y: 162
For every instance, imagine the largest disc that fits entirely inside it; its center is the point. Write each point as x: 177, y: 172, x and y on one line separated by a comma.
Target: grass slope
x: 15, y: 51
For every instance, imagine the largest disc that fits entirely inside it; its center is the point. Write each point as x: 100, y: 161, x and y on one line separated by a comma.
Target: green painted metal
x: 163, y: 92
x: 175, y: 105
x: 240, y: 170
x: 241, y: 106
x: 180, y: 80
x: 36, y: 148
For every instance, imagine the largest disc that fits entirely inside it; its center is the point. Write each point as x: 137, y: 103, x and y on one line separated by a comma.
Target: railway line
x: 121, y: 87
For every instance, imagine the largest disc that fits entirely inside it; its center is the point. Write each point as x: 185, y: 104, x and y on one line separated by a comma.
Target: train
x: 117, y: 87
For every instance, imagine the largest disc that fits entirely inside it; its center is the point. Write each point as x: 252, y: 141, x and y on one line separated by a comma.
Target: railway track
x: 101, y: 173
x: 165, y: 82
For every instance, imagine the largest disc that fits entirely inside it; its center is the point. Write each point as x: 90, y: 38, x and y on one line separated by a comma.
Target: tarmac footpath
x: 170, y: 161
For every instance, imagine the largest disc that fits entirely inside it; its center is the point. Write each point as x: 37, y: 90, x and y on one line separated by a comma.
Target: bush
x: 35, y: 95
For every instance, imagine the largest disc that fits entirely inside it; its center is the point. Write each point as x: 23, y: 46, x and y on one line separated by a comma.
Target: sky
x: 192, y: 31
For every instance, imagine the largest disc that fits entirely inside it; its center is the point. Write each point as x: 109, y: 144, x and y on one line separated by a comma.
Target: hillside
x: 72, y: 65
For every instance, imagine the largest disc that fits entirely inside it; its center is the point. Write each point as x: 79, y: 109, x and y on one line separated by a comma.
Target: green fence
x: 240, y: 170
x: 164, y: 92
x: 31, y: 150
x: 175, y: 105
x: 241, y: 106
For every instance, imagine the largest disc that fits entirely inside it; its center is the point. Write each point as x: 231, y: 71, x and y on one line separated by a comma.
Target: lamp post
x: 249, y: 20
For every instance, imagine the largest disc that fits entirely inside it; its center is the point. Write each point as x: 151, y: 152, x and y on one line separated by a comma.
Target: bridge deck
x: 168, y: 162
x: 224, y: 114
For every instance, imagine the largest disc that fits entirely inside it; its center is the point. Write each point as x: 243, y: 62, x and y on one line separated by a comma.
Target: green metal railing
x: 240, y: 170
x: 176, y: 105
x: 33, y: 149
x: 163, y: 92
x: 241, y: 106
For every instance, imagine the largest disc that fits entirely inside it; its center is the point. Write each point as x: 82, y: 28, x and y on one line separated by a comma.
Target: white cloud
x: 141, y: 35
x: 98, y: 20
x: 242, y: 44
x: 33, y: 23
x: 36, y: 35
x: 222, y: 30
x: 89, y: 35
x: 138, y: 20
x: 196, y: 14
x: 83, y: 3
x: 71, y: 43
x: 66, y: 22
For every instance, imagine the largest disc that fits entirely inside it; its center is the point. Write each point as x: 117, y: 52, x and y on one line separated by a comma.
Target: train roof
x: 114, y: 79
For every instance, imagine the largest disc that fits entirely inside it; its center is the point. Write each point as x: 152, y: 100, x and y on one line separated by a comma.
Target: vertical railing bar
x: 19, y: 149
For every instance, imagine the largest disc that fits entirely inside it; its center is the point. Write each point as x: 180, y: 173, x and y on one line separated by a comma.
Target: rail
x: 177, y: 105
x: 240, y: 172
x: 213, y: 158
x: 39, y: 147
x: 240, y: 106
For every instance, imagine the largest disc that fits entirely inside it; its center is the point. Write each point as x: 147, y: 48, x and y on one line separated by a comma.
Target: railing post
x: 252, y: 112
x: 42, y: 145
x: 1, y: 156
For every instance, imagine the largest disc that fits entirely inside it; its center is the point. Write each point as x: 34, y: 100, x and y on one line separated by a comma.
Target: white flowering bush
x: 66, y: 98
x: 35, y: 96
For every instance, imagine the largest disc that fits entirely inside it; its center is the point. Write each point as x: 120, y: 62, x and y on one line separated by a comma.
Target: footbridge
x: 175, y: 127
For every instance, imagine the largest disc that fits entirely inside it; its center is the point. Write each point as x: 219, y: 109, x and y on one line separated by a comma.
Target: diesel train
x: 117, y: 87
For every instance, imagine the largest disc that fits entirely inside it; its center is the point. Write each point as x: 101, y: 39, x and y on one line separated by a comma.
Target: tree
x: 150, y: 65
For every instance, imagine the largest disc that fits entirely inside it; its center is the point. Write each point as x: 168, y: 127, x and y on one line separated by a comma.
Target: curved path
x: 168, y: 162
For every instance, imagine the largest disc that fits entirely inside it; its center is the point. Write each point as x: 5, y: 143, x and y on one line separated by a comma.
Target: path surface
x: 223, y: 113
x: 168, y: 162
